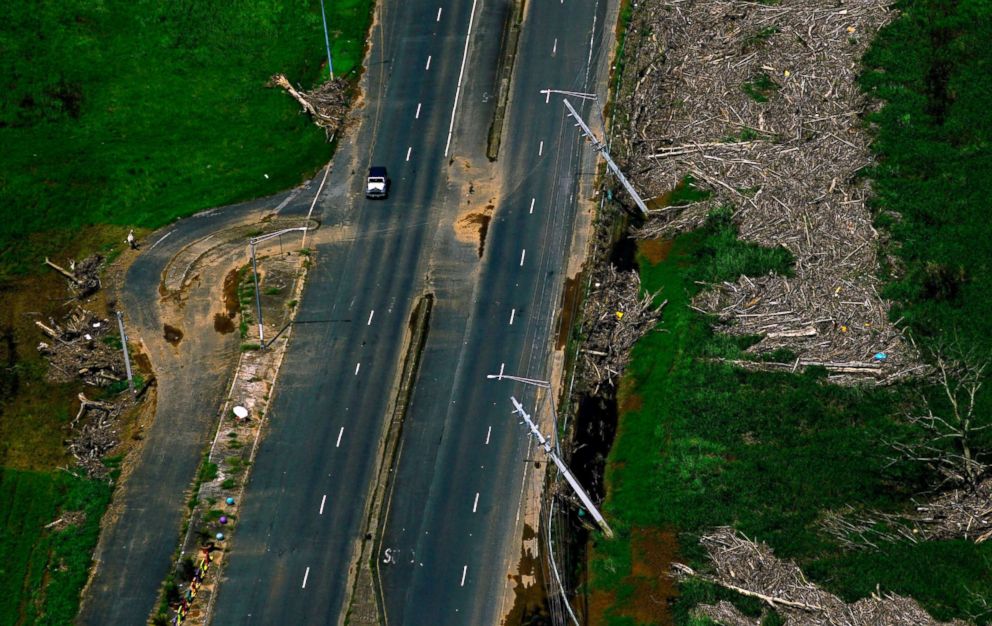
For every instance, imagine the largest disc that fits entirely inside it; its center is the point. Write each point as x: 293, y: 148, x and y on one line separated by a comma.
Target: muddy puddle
x: 223, y: 323
x: 530, y: 605
x: 172, y: 334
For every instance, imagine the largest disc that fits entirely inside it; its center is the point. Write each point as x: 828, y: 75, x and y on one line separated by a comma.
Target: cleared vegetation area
x: 119, y: 115
x: 712, y: 432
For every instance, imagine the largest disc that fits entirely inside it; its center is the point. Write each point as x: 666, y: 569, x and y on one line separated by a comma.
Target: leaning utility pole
x: 579, y: 491
x: 253, y: 242
x: 127, y: 357
x: 601, y: 148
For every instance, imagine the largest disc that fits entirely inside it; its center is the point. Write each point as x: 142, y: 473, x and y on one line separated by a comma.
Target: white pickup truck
x: 377, y: 183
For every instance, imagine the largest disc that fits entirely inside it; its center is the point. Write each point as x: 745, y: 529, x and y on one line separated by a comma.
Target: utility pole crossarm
x: 601, y: 148
x: 572, y: 481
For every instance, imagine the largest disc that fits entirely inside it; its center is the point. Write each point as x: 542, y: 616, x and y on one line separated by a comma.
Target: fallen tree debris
x: 759, y: 104
x: 85, y: 348
x: 751, y: 569
x: 327, y: 104
x: 83, y: 277
x: 616, y: 315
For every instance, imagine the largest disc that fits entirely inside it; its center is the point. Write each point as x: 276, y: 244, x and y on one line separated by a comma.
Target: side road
x: 193, y: 370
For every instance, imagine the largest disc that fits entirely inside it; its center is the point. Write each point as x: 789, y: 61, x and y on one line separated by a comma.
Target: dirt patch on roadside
x: 633, y: 402
x: 473, y: 225
x: 655, y: 250
x: 172, y: 334
x: 652, y: 552
x: 570, y: 298
x: 231, y: 293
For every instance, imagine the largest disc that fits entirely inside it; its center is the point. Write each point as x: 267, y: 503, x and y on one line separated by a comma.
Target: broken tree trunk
x: 63, y: 271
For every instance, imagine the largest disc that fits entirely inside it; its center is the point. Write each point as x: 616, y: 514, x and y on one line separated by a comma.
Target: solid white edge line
x: 513, y: 314
x: 358, y: 366
x: 532, y: 201
x: 322, y: 501
x: 370, y: 317
x: 523, y: 253
x: 475, y: 505
x: 438, y: 14
x: 417, y: 114
x: 540, y: 151
x: 162, y: 239
x: 428, y: 63
x: 306, y: 575
x: 408, y: 151
x: 327, y: 170
x: 488, y: 433
x: 461, y: 72
x: 340, y: 434
x: 464, y: 573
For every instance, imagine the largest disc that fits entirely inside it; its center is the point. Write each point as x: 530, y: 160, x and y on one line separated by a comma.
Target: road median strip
x: 367, y: 605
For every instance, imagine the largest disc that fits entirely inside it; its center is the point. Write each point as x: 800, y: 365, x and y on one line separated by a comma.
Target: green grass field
x: 135, y: 113
x: 701, y: 444
x: 43, y: 570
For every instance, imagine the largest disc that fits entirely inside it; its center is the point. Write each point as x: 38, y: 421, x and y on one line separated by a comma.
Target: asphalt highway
x: 453, y: 528
x: 303, y: 511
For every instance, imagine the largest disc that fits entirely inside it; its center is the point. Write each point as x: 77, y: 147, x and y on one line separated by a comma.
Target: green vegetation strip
x: 702, y: 444
x: 44, y: 569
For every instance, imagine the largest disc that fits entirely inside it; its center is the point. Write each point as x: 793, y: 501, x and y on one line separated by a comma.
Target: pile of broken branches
x: 327, y: 104
x: 616, y: 315
x: 760, y: 105
x: 964, y: 513
x: 94, y: 432
x: 751, y: 569
x: 83, y: 277
x: 79, y: 350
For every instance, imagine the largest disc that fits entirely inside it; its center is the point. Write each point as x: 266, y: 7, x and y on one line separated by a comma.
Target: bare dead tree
x: 948, y: 434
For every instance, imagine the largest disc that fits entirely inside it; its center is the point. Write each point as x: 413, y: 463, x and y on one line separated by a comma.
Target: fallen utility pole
x: 601, y: 148
x: 579, y: 491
